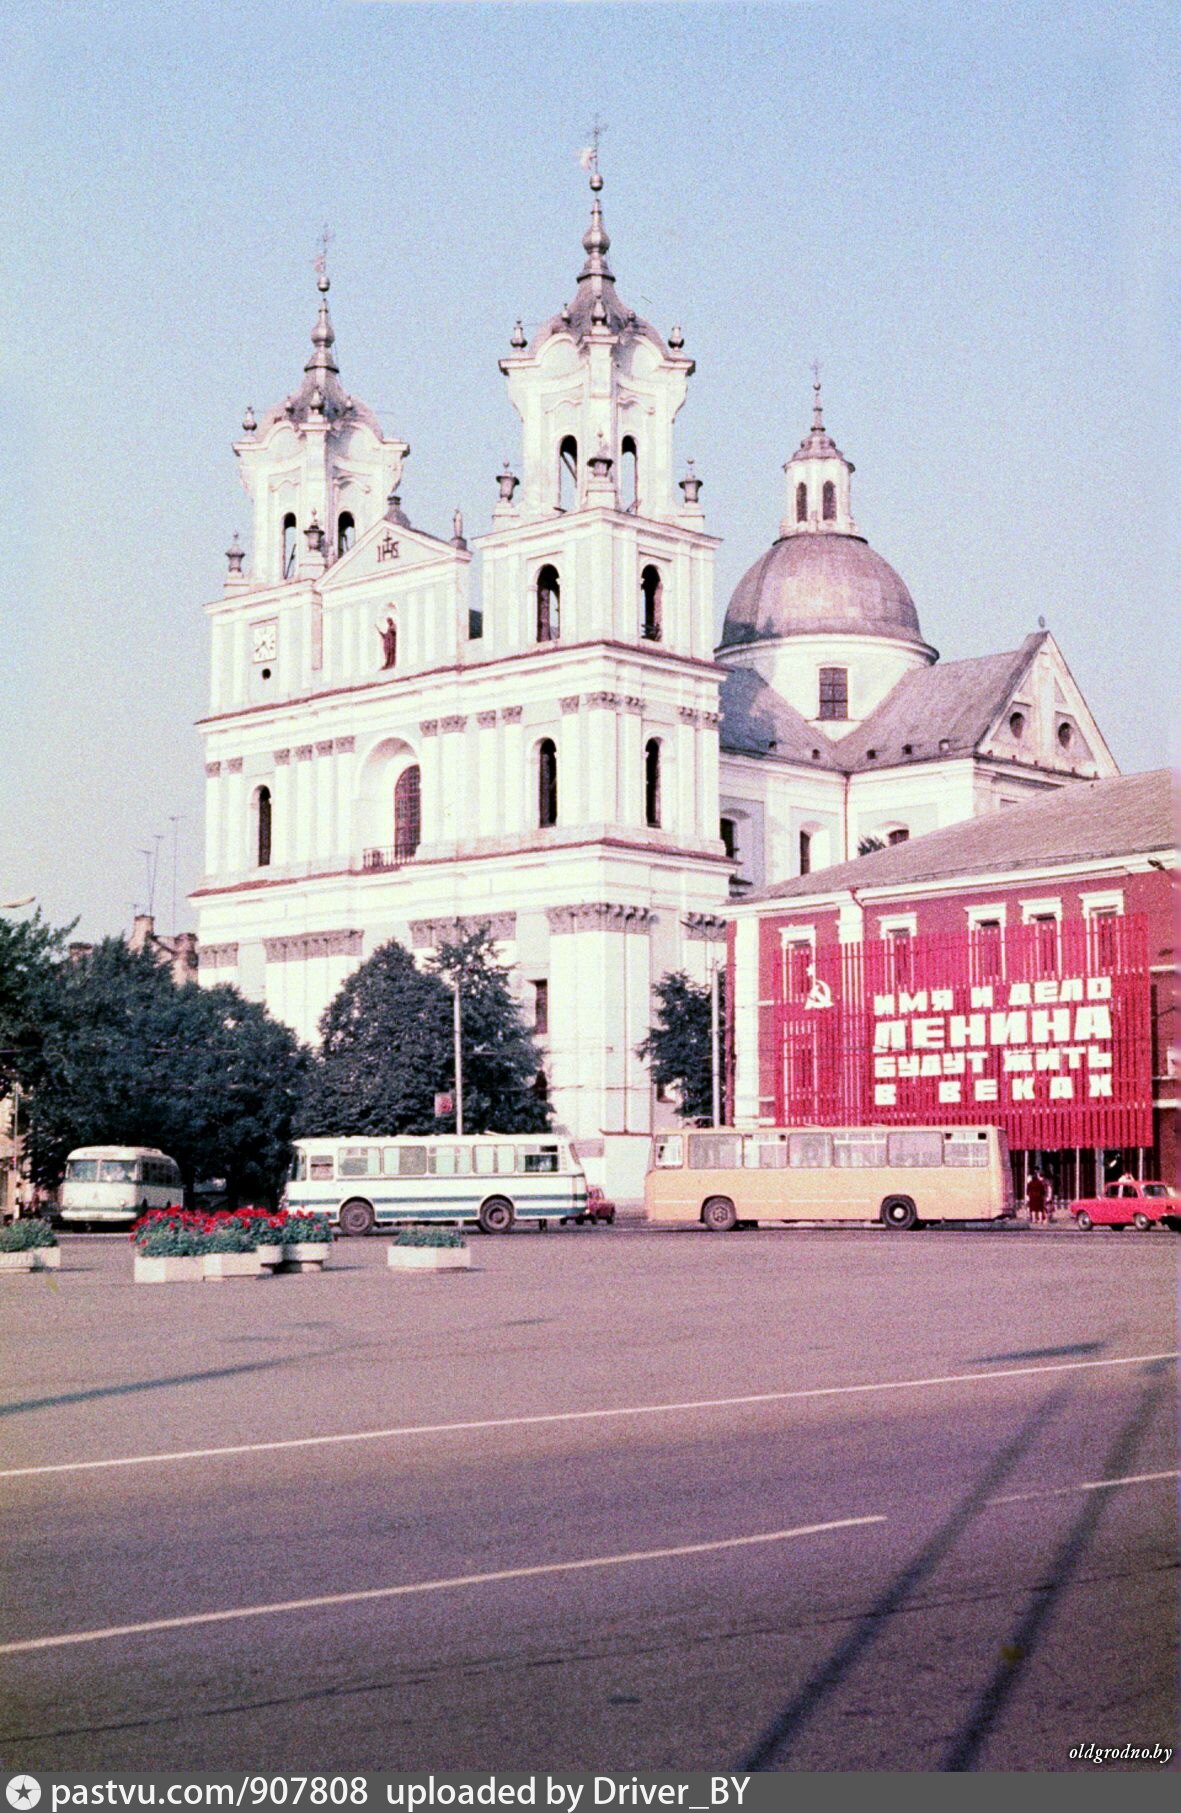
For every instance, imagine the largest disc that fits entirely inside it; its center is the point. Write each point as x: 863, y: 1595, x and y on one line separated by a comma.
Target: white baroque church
x: 565, y: 754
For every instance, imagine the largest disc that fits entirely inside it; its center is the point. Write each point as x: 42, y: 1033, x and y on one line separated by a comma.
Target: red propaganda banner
x: 1043, y: 1030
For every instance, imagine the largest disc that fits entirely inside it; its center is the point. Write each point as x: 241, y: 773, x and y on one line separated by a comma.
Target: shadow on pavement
x: 164, y: 1384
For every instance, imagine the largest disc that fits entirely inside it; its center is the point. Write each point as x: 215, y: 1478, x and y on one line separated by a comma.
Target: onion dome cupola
x: 597, y: 389
x: 319, y: 457
x: 822, y: 581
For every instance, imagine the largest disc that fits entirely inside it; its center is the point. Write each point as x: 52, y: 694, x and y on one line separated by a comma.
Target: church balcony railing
x: 374, y: 861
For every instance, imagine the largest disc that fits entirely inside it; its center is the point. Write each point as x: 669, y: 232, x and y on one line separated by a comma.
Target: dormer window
x: 288, y: 554
x: 801, y: 502
x: 345, y: 533
x: 834, y: 692
x: 549, y: 605
x: 568, y: 473
x: 828, y: 507
x: 652, y: 592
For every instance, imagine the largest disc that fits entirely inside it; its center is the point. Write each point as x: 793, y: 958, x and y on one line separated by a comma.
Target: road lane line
x: 67, y: 1638
x: 575, y: 1416
x: 1088, y: 1485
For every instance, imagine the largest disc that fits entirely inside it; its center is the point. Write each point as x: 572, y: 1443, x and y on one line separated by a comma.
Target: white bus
x: 107, y: 1184
x: 492, y: 1179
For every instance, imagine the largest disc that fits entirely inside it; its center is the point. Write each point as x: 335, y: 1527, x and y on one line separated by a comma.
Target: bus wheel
x: 898, y: 1212
x: 718, y: 1215
x: 496, y: 1216
x: 357, y: 1217
x: 1141, y: 1222
x: 1084, y: 1221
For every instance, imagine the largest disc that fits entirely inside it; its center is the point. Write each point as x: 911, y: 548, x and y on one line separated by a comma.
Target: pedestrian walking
x: 1036, y: 1194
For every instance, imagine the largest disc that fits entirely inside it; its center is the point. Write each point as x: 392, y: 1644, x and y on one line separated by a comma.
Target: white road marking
x: 1087, y: 1485
x: 575, y: 1416
x: 429, y: 1586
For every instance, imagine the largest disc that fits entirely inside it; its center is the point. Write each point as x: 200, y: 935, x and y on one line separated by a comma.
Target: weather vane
x: 589, y: 158
x: 320, y: 261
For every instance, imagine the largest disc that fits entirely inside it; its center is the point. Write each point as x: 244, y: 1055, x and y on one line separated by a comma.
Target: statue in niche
x: 388, y: 631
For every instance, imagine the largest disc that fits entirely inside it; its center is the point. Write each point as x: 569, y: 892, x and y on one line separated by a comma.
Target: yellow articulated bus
x: 898, y: 1177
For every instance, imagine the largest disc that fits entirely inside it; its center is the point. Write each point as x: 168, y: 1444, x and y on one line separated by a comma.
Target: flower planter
x: 429, y: 1258
x: 175, y: 1270
x: 270, y: 1254
x: 33, y: 1259
x: 217, y: 1267
x: 305, y: 1256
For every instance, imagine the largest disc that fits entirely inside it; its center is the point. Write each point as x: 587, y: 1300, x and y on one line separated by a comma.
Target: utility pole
x: 715, y: 1043
x: 458, y: 1033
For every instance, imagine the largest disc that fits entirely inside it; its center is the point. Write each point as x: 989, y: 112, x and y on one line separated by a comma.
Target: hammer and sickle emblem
x: 819, y: 994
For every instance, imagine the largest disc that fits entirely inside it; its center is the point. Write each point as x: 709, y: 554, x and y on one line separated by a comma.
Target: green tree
x: 868, y: 845
x: 388, y: 1048
x: 129, y: 1057
x: 31, y: 953
x: 679, y: 1049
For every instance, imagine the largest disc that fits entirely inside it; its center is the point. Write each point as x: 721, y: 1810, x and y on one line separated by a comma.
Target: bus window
x: 506, y: 1160
x: 857, y: 1149
x: 539, y: 1158
x: 360, y: 1161
x: 451, y: 1161
x: 485, y: 1157
x: 965, y: 1146
x: 117, y: 1170
x: 412, y: 1161
x: 668, y: 1154
x: 715, y: 1151
x: 915, y: 1148
x: 811, y: 1151
x: 82, y: 1170
x: 764, y: 1152
x: 319, y: 1167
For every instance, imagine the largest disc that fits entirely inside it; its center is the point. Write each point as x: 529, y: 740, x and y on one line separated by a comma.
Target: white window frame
x: 1041, y: 909
x: 1111, y: 900
x: 980, y: 915
x: 790, y: 935
x: 889, y: 923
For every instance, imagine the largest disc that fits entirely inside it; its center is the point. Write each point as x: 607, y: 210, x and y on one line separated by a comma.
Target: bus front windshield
x: 118, y: 1170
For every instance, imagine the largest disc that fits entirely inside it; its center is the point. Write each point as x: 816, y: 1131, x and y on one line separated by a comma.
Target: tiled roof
x: 757, y: 721
x: 1083, y: 821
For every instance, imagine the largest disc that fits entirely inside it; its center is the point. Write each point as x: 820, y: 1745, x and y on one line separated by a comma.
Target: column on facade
x: 515, y: 788
x: 705, y: 816
x: 430, y: 784
x: 686, y: 781
x: 571, y: 763
x: 454, y: 781
x: 324, y: 829
x: 237, y: 830
x: 631, y: 761
x: 600, y: 994
x: 282, y: 808
x: 302, y: 850
x: 488, y: 789
x: 343, y: 765
x: 750, y: 1029
x: 214, y: 857
x: 600, y: 754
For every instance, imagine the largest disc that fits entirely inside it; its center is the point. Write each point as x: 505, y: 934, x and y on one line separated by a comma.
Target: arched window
x: 407, y: 814
x: 288, y: 550
x: 547, y: 783
x: 629, y: 494
x: 345, y: 533
x: 805, y: 852
x: 828, y: 506
x: 801, y: 502
x: 652, y: 781
x: 568, y: 473
x: 652, y: 590
x: 900, y: 835
x: 549, y: 605
x: 262, y: 824
x: 728, y: 831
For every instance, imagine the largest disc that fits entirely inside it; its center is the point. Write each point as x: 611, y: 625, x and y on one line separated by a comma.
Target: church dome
x: 820, y: 584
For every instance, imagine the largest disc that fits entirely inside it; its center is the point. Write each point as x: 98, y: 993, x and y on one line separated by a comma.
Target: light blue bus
x: 364, y: 1182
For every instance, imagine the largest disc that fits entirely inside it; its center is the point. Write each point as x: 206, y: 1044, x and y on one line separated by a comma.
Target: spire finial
x: 817, y: 406
x: 588, y: 157
x: 320, y: 261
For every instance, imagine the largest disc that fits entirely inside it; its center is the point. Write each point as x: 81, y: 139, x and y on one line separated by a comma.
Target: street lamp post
x: 457, y: 1025
x: 7, y: 906
x: 715, y: 1043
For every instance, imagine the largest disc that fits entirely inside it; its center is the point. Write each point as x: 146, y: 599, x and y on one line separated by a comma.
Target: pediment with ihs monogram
x: 387, y: 550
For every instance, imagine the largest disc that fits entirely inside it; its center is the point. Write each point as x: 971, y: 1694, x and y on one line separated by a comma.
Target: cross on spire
x: 817, y: 408
x: 320, y: 261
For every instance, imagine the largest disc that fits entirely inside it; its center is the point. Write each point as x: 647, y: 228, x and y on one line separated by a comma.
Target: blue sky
x: 962, y: 210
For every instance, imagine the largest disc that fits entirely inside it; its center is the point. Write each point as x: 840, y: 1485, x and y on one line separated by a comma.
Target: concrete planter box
x: 269, y: 1255
x: 306, y: 1255
x: 34, y: 1259
x: 429, y: 1258
x: 217, y: 1267
x: 168, y: 1271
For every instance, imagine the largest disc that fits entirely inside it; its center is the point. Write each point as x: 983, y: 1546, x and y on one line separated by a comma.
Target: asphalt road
x: 858, y: 1510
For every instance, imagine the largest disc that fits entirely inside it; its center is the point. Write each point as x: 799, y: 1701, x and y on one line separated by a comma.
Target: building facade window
x: 547, y: 783
x: 652, y: 606
x: 834, y: 692
x: 828, y: 507
x: 541, y: 1006
x: 568, y: 473
x: 652, y: 782
x: 801, y: 502
x: 407, y: 814
x: 728, y: 832
x: 549, y: 605
x: 288, y: 551
x: 345, y: 533
x: 987, y: 950
x: 262, y: 845
x: 899, y: 835
x: 805, y: 852
x: 629, y: 483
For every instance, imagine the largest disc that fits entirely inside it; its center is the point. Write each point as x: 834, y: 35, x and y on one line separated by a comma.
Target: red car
x: 1130, y: 1204
x: 597, y: 1207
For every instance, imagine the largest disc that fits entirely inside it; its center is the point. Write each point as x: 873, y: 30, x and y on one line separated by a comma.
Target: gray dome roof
x: 824, y: 583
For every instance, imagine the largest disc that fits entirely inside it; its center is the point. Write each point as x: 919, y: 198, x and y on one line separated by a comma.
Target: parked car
x: 1130, y: 1203
x: 597, y: 1207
